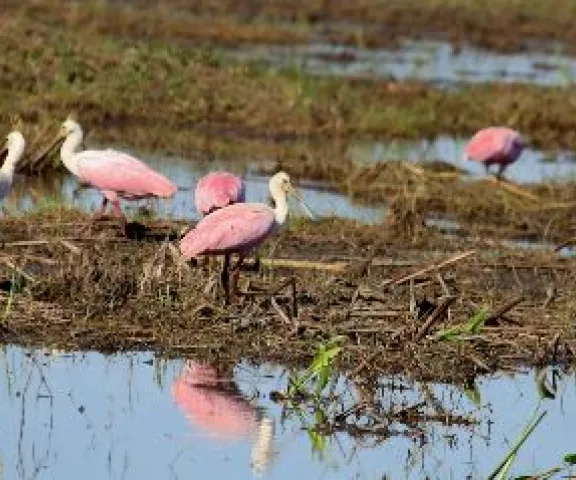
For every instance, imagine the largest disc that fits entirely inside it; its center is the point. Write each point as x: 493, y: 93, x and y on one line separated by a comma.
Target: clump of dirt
x: 392, y: 301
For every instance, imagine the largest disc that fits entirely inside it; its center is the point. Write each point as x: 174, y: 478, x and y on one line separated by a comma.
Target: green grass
x: 155, y: 93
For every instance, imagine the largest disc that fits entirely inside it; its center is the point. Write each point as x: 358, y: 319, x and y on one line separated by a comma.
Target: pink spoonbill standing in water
x: 240, y: 228
x: 10, y: 154
x: 116, y: 174
x: 217, y: 190
x: 495, y: 146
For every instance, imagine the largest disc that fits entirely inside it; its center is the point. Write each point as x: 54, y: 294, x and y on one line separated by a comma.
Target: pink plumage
x: 217, y: 190
x: 213, y: 403
x: 236, y: 228
x: 495, y: 146
x: 117, y: 174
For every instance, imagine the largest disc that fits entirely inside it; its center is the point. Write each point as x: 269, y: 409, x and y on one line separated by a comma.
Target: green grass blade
x: 501, y: 471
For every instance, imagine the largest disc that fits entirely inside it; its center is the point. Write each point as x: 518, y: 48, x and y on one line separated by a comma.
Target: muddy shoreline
x: 102, y: 292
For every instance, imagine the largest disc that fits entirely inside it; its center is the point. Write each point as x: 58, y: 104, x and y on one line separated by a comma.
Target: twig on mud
x: 366, y: 362
x: 306, y: 264
x: 290, y: 282
x: 500, y: 312
x: 280, y: 312
x: 430, y: 268
x: 443, y: 284
x: 566, y: 243
x: 20, y: 272
x: 479, y: 362
x: 436, y: 315
x: 550, y: 296
x: 70, y: 246
x: 352, y: 302
x: 513, y: 188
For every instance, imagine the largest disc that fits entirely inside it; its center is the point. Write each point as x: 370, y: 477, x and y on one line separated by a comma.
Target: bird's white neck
x: 14, y: 155
x: 69, y: 149
x: 11, y: 161
x: 281, y: 210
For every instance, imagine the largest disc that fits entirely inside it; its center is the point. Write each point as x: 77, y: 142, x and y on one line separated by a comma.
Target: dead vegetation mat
x: 390, y: 298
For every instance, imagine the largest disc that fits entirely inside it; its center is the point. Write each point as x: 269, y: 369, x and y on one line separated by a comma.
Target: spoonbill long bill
x: 217, y: 190
x: 495, y: 146
x: 11, y: 153
x: 240, y: 228
x: 116, y: 174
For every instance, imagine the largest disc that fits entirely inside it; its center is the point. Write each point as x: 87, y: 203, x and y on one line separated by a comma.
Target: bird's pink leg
x: 225, y: 279
x: 100, y: 213
x: 118, y: 214
x: 236, y: 273
x: 97, y: 216
x: 501, y: 170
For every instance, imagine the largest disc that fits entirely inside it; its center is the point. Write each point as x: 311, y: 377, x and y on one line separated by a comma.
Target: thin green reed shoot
x: 316, y: 377
x: 502, y: 470
x: 459, y: 332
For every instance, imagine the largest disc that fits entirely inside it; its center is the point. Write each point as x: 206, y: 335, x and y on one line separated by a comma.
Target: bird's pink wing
x: 491, y: 144
x: 238, y: 227
x: 119, y: 172
x: 218, y: 189
x: 210, y: 406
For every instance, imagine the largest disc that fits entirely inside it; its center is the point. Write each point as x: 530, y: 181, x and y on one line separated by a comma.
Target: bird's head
x: 280, y: 185
x: 69, y: 127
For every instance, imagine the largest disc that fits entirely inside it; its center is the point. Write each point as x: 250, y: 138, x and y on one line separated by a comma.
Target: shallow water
x: 532, y: 167
x: 185, y: 173
x: 437, y: 62
x: 133, y: 416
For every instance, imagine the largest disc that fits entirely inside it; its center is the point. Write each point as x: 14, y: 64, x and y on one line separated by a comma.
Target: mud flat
x: 397, y: 310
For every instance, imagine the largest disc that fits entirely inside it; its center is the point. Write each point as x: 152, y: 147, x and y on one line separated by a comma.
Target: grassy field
x: 157, y: 92
x: 498, y: 24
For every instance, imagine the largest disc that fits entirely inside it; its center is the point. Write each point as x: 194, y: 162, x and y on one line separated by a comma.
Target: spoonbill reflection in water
x: 240, y: 228
x: 116, y: 174
x: 214, y: 404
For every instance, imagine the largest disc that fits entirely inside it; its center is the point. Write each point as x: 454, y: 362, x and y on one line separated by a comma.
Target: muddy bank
x: 468, y: 206
x: 102, y: 292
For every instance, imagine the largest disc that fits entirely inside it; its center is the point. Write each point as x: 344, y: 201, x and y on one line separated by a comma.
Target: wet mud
x: 401, y: 307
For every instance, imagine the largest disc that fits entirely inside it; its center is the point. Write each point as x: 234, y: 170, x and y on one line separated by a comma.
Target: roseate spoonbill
x: 116, y: 174
x: 240, y: 228
x: 216, y: 190
x: 495, y: 146
x: 11, y: 152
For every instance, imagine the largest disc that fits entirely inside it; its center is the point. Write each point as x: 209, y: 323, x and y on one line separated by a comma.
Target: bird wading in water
x: 116, y: 174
